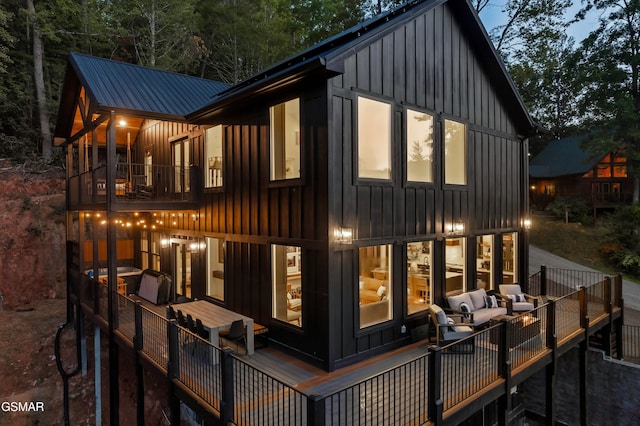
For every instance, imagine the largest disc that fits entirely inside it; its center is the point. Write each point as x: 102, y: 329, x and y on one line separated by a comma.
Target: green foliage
x: 576, y: 209
x: 623, y: 241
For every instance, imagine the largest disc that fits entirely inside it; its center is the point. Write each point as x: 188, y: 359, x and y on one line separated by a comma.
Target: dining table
x: 215, y: 318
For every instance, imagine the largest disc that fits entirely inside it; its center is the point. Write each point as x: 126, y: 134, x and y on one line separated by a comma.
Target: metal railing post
x: 543, y: 280
x: 227, y: 401
x: 137, y: 346
x: 173, y: 369
x: 316, y: 410
x: 435, y: 403
x: 584, y: 312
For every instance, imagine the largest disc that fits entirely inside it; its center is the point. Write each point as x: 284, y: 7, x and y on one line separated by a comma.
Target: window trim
x: 443, y: 118
x: 363, y: 331
x: 405, y: 147
x: 205, y: 166
x: 370, y: 181
x: 295, y: 181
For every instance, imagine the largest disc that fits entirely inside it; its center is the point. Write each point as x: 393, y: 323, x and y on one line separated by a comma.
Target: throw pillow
x: 381, y: 291
x: 464, y: 308
x: 451, y: 323
x: 491, y: 301
x: 520, y: 298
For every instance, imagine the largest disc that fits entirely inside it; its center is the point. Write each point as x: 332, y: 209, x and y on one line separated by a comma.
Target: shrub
x: 576, y: 208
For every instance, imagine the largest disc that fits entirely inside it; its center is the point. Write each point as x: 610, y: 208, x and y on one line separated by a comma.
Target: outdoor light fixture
x: 343, y: 235
x: 455, y: 227
x: 527, y: 223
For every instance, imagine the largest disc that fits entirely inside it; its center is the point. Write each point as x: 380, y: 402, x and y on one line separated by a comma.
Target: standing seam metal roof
x: 120, y: 85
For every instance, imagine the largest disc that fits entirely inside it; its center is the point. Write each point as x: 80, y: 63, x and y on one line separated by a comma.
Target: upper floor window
x: 419, y: 146
x: 455, y: 153
x: 181, y: 157
x: 374, y: 139
x: 213, y: 155
x: 285, y: 140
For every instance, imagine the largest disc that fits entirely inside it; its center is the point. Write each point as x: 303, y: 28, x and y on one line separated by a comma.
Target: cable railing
x: 415, y: 392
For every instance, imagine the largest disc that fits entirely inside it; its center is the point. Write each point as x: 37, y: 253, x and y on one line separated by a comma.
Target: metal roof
x: 329, y: 54
x: 119, y: 85
x: 563, y: 157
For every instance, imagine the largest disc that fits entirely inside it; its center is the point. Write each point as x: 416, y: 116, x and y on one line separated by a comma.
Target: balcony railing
x: 137, y: 183
x: 418, y: 391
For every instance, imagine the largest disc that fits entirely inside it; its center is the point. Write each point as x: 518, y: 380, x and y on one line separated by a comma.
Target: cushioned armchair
x: 448, y: 328
x: 516, y: 299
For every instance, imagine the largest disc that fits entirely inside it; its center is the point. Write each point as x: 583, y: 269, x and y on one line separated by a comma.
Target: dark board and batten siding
x: 429, y: 64
x: 251, y: 213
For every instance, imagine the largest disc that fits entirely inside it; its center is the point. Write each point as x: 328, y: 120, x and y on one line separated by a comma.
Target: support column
x: 112, y: 268
x: 97, y: 374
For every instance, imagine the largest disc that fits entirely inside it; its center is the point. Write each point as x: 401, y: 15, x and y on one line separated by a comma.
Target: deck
x: 416, y: 384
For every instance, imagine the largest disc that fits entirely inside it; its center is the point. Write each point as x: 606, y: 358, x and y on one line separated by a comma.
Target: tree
x: 156, y: 33
x: 528, y: 22
x: 608, y: 72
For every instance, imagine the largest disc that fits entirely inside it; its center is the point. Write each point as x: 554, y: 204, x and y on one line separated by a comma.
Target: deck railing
x: 397, y: 396
x: 137, y: 182
x: 417, y: 392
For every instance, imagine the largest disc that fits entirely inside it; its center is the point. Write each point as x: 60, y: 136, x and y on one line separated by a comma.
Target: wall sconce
x: 165, y: 243
x: 455, y: 227
x: 343, y: 235
x: 526, y: 223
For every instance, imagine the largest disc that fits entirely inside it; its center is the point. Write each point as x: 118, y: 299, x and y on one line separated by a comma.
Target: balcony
x: 417, y: 384
x: 137, y: 187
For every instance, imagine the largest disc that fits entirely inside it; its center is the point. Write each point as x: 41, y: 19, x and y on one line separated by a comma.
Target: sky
x: 493, y: 16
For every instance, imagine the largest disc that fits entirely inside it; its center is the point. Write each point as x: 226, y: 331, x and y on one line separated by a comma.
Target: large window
x: 455, y: 266
x: 455, y: 153
x: 419, y: 280
x: 374, y: 139
x: 213, y: 155
x: 181, y: 158
x: 484, y: 262
x: 287, y: 283
x: 215, y: 267
x: 419, y: 147
x: 510, y: 258
x: 375, y: 285
x: 285, y: 140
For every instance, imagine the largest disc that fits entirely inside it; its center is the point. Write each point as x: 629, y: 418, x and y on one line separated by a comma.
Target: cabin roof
x: 131, y: 89
x: 563, y: 157
x: 329, y: 56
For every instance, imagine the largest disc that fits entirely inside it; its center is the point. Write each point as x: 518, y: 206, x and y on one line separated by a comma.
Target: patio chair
x: 200, y: 331
x: 237, y: 332
x: 517, y: 301
x: 182, y: 321
x: 191, y: 324
x: 449, y: 328
x: 171, y: 313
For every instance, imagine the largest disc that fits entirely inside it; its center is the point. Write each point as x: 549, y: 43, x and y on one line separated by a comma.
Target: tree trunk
x: 38, y: 75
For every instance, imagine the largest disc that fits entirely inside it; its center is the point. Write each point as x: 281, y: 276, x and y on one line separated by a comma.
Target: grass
x: 573, y: 241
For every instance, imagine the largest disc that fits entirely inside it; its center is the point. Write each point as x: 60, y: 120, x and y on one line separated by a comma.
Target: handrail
x: 563, y: 316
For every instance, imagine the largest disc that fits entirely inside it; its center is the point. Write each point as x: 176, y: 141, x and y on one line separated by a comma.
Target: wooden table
x: 215, y: 318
